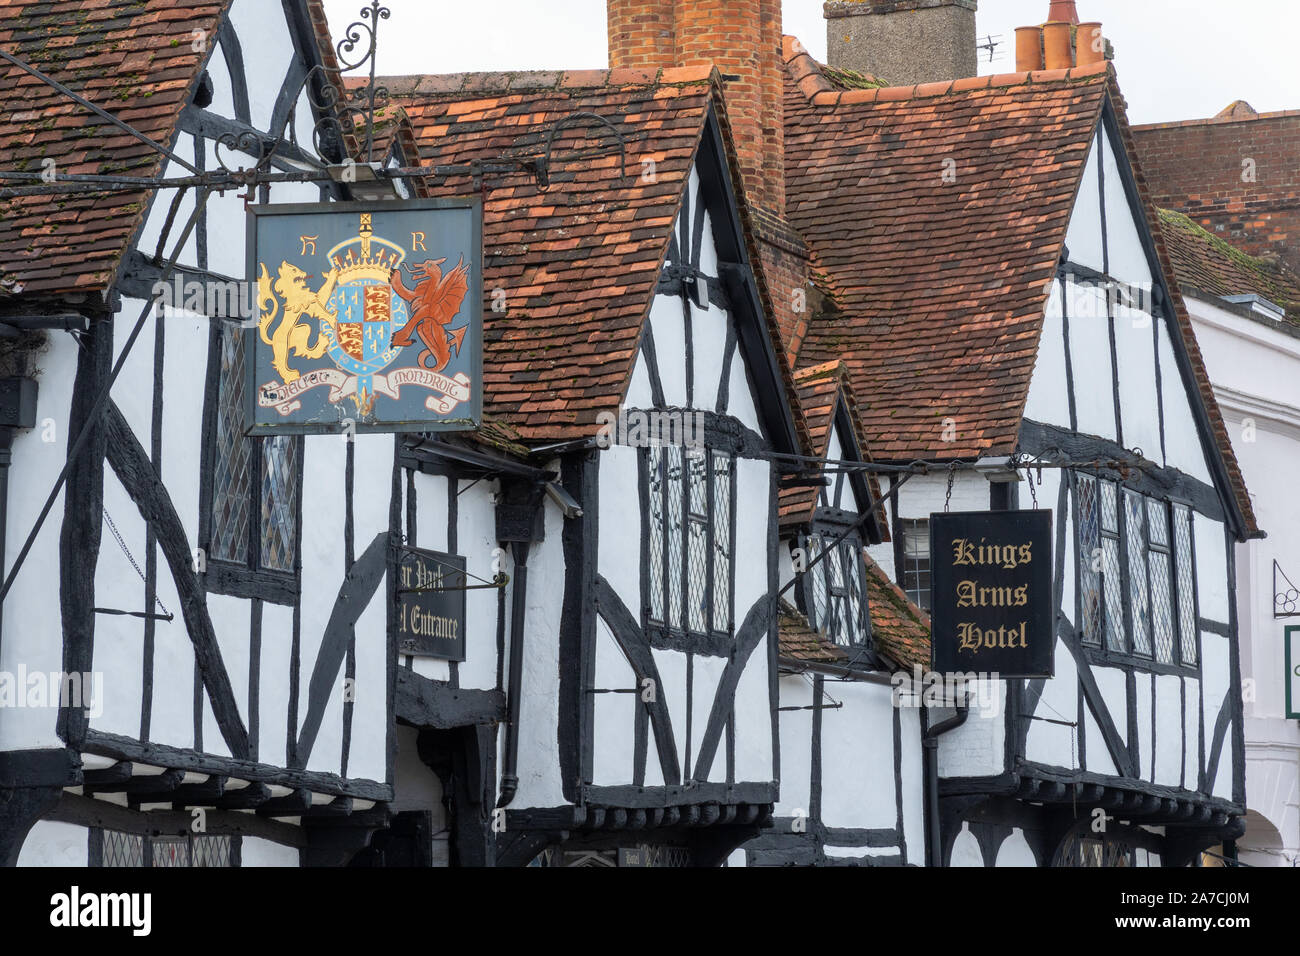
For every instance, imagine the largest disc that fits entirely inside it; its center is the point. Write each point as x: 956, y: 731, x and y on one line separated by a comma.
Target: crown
x: 366, y: 257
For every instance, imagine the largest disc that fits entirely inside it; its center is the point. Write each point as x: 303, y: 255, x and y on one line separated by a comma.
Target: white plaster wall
x: 1049, y: 399
x: 539, y: 769
x: 50, y: 843
x: 1138, y: 397
x: 1128, y: 261
x: 978, y: 747
x: 32, y: 621
x: 1090, y: 359
x: 1083, y: 237
x: 705, y: 675
x: 1015, y: 851
x: 273, y: 683
x: 613, y: 715
x: 1211, y: 568
x: 966, y: 849
x: 264, y: 38
x: 669, y: 329
x: 477, y: 541
x: 1183, y: 448
x: 858, y: 779
x: 1192, y: 725
x: 255, y: 851
x: 795, y: 690
x: 1142, y: 702
x: 1169, y: 730
x: 914, y: 825
x: 754, y: 716
x: 1052, y: 743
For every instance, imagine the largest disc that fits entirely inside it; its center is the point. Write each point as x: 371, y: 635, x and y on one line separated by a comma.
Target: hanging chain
x: 952, y: 475
x: 1033, y: 494
x: 108, y: 518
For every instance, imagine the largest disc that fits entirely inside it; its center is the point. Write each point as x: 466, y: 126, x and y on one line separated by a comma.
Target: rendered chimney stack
x: 742, y: 38
x: 903, y: 41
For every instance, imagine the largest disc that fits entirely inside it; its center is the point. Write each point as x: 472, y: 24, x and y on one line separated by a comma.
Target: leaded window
x: 690, y: 539
x: 916, y: 561
x: 1136, y: 585
x: 835, y: 591
x: 255, y: 481
x: 117, y: 849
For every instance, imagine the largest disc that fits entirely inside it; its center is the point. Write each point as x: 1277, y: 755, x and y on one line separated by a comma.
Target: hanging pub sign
x: 369, y: 317
x: 430, y: 604
x: 1292, y: 643
x: 991, y: 596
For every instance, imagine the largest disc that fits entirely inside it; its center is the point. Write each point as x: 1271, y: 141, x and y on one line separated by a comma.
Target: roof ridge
x: 1093, y: 73
x: 518, y: 81
x: 1216, y: 120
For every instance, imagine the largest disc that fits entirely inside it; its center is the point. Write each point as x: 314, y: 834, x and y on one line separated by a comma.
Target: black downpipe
x: 930, y: 744
x: 519, y: 581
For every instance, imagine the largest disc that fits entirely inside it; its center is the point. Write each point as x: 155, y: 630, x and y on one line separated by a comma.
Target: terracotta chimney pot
x: 1057, y: 48
x: 1029, y: 49
x: 1062, y: 11
x: 1090, y: 44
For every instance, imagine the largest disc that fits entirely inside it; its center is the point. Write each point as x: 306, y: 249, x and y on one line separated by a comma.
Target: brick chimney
x: 742, y: 38
x: 903, y: 41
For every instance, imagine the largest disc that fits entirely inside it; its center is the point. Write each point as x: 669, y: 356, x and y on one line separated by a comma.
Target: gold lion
x: 290, y: 336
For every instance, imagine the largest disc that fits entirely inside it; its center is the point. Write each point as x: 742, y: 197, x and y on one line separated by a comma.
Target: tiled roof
x: 135, y: 59
x: 577, y: 261
x: 899, y: 629
x: 800, y: 642
x: 1204, y: 261
x: 818, y: 387
x: 937, y: 285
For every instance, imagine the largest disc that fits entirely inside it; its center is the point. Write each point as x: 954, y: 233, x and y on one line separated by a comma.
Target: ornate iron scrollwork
x: 342, y: 114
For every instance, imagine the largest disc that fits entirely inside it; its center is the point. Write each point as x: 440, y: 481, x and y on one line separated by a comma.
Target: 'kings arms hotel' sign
x: 992, y: 607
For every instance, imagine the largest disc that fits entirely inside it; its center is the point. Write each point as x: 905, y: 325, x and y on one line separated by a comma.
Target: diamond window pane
x: 817, y: 572
x: 1186, y: 584
x: 279, y: 502
x: 232, y: 457
x: 210, y: 851
x: 655, y: 485
x: 1115, y: 631
x: 698, y: 466
x: 721, y: 542
x: 697, y: 575
x: 853, y: 569
x: 123, y: 849
x: 171, y: 853
x: 1157, y: 522
x: 1162, y: 612
x: 673, y: 465
x: 1139, y: 599
x: 1089, y: 565
x: 1109, y: 507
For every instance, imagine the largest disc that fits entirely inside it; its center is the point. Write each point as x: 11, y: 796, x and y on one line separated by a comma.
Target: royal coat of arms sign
x: 369, y: 317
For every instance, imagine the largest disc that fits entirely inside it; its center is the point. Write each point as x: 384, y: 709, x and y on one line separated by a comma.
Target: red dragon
x: 434, y: 301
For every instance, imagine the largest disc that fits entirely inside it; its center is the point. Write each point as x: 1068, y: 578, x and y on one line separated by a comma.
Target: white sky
x: 1177, y: 59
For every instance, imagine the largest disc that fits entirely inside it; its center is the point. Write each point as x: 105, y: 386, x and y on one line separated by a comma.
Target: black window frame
x: 912, y: 568
x: 1099, y: 647
x: 248, y: 578
x: 662, y: 630
x: 850, y: 553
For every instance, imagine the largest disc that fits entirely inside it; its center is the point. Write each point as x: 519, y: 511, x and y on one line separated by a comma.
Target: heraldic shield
x: 369, y: 317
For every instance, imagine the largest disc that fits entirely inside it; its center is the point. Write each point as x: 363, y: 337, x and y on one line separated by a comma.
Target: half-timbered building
x: 224, y: 597
x: 631, y: 351
x: 851, y: 773
x: 999, y: 288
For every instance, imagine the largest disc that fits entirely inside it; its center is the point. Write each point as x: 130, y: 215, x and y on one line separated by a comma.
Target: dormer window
x: 834, y: 589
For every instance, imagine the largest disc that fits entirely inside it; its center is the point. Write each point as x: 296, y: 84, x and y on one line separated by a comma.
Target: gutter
x: 930, y: 756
